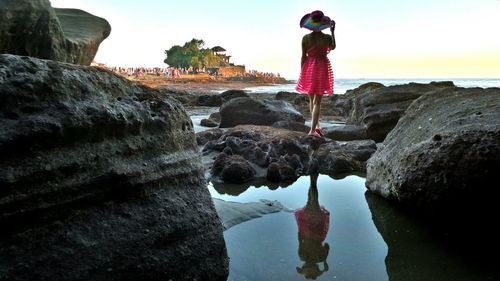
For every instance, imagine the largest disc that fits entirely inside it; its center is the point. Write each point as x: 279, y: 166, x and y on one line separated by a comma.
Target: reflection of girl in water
x: 312, y: 221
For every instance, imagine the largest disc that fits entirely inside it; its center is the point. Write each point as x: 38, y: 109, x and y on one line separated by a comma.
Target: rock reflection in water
x: 313, y: 222
x: 417, y: 252
x: 237, y: 189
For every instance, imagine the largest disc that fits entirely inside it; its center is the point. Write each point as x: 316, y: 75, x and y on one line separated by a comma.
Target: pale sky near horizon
x: 375, y: 38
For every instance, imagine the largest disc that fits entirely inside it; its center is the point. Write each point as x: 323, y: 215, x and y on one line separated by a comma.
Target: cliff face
x: 99, y: 179
x: 34, y: 28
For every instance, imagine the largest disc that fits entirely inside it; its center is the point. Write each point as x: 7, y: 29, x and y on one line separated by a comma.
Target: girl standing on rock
x: 316, y: 76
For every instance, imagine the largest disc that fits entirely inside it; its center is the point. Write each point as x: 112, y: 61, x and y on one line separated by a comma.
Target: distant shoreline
x: 205, y: 84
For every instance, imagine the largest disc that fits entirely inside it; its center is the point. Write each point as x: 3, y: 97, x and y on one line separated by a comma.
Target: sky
x: 375, y: 38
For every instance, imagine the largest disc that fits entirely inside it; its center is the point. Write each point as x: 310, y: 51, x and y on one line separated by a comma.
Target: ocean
x: 342, y: 85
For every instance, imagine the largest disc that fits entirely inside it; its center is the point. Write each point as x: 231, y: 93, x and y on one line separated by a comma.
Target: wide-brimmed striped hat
x: 315, y: 21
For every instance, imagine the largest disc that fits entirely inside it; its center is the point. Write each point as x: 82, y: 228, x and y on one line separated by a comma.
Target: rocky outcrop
x: 442, y: 157
x: 99, y: 179
x: 346, y: 133
x: 212, y: 121
x: 233, y: 168
x: 279, y: 155
x: 336, y: 106
x: 232, y: 94
x: 33, y: 28
x: 208, y: 123
x: 209, y: 100
x: 292, y: 126
x: 336, y: 158
x: 259, y: 146
x: 239, y: 111
x: 378, y: 108
x: 209, y: 135
x: 212, y: 100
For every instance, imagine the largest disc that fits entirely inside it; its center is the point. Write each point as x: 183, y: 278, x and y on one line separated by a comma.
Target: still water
x: 336, y: 230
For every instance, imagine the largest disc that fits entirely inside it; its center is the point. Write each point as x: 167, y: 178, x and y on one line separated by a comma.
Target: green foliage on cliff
x: 192, y: 54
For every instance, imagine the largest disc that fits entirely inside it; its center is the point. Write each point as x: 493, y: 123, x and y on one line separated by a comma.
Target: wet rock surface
x: 281, y: 155
x: 442, y: 157
x: 378, y: 108
x: 99, y: 179
x: 346, y: 133
x: 344, y: 157
x: 244, y: 110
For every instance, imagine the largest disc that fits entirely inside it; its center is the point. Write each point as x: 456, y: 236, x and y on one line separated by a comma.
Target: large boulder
x: 208, y: 135
x: 292, y: 126
x: 336, y: 158
x: 210, y: 100
x: 244, y: 110
x: 443, y: 157
x: 379, y: 108
x: 232, y: 94
x: 33, y: 28
x: 346, y: 133
x: 100, y: 179
x: 337, y: 106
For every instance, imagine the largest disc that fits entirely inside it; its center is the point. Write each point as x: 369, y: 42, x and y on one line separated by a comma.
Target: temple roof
x: 218, y: 49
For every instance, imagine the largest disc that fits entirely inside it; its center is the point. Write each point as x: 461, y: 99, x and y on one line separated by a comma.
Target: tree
x: 176, y: 56
x: 192, y: 54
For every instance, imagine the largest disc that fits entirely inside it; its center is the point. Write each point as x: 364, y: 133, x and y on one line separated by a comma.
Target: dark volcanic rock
x: 187, y: 99
x: 213, y: 100
x: 260, y: 146
x: 100, y: 179
x: 344, y: 157
x: 282, y: 155
x: 337, y: 106
x: 379, y: 108
x: 292, y: 126
x: 212, y: 121
x: 286, y: 96
x: 209, y: 100
x: 232, y: 168
x: 209, y: 135
x: 241, y: 111
x: 232, y: 94
x: 346, y: 133
x: 215, y: 116
x: 208, y: 123
x: 285, y: 169
x: 442, y: 157
x: 33, y: 28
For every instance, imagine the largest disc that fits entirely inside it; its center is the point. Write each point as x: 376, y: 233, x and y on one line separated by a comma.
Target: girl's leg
x: 311, y: 103
x: 316, y: 101
x: 311, y: 108
x: 315, y: 113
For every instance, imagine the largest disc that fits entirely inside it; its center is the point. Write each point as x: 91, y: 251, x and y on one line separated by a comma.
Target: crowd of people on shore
x: 176, y: 72
x: 255, y: 73
x: 143, y: 71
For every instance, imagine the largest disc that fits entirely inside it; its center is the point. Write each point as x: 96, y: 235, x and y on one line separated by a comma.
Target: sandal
x: 315, y: 135
x: 319, y: 131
